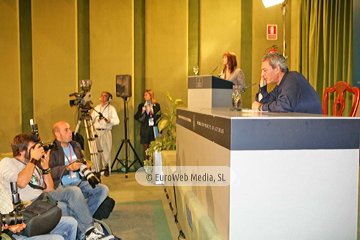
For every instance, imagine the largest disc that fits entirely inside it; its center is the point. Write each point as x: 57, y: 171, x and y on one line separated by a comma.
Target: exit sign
x: 271, y: 32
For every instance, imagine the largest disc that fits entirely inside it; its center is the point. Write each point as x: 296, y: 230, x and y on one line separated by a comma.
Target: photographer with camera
x: 33, y: 176
x: 67, y: 170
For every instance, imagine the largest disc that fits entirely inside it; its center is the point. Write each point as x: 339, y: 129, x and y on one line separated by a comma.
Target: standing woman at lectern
x: 147, y: 116
x: 231, y: 72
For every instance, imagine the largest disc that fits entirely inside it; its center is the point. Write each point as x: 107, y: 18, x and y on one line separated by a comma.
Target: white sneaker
x: 95, y: 234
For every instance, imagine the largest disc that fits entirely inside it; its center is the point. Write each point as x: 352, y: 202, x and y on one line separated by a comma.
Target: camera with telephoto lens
x: 82, y: 99
x: 86, y: 173
x: 14, y: 217
x: 36, y: 137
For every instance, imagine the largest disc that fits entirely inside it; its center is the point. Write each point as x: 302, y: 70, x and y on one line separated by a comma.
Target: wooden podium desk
x: 296, y: 174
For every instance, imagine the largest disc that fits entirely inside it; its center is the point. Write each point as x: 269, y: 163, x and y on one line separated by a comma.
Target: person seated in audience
x: 30, y: 170
x: 65, y: 229
x: 293, y: 92
x: 65, y: 168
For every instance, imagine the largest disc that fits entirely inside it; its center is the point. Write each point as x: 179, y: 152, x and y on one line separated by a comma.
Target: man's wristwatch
x: 33, y: 161
x: 46, y: 171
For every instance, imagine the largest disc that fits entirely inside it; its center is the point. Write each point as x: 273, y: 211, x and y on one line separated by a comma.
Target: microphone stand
x: 243, y: 89
x: 214, y: 70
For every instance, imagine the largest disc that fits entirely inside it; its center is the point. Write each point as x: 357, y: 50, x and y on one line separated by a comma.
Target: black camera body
x: 86, y: 173
x: 81, y: 160
x: 82, y: 99
x: 36, y: 137
x: 49, y: 145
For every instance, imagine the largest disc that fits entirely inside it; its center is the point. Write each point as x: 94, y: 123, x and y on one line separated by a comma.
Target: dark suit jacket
x: 57, y: 161
x: 146, y: 131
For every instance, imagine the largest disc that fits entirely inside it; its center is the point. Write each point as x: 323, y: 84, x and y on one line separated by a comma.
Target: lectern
x: 295, y: 175
x: 209, y: 92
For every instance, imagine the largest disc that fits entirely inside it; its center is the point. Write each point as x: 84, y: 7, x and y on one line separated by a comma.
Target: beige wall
x: 220, y: 26
x: 54, y: 49
x: 55, y: 53
x: 10, y: 114
x: 166, y: 49
x: 111, y: 54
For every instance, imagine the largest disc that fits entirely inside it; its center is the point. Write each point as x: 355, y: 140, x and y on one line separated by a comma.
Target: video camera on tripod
x: 84, y: 98
x: 15, y: 217
x: 83, y: 102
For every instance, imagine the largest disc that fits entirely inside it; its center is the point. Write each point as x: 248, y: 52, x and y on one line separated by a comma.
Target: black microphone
x: 214, y: 70
x: 102, y: 117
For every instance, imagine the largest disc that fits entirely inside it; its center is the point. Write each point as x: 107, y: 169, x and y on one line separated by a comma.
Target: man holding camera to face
x: 30, y: 169
x: 67, y: 170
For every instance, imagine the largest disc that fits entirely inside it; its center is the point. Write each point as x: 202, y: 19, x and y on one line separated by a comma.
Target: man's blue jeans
x: 65, y: 229
x: 95, y: 196
x: 72, y: 203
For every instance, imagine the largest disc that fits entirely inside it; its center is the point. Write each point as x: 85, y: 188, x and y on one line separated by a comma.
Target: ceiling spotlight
x: 269, y: 3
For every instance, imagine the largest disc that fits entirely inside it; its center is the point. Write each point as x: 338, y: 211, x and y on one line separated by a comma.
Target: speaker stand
x: 126, y: 143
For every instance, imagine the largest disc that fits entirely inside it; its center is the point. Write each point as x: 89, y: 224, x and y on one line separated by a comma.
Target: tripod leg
x: 94, y: 155
x: 126, y: 140
x: 100, y: 153
x: 137, y: 157
x: 91, y: 136
x: 117, y: 154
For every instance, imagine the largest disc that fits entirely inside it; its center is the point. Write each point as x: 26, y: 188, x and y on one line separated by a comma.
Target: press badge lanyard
x: 151, y: 119
x: 72, y: 173
x: 70, y: 153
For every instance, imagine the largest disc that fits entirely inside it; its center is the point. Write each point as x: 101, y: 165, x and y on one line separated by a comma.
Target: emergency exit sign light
x: 271, y: 32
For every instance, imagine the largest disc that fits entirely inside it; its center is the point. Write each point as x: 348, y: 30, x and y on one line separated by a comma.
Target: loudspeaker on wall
x: 123, y: 85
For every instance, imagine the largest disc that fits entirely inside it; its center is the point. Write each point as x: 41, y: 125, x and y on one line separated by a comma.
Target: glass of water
x: 196, y: 70
x: 236, y: 99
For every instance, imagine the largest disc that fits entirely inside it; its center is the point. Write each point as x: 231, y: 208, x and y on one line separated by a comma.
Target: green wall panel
x: 139, y: 67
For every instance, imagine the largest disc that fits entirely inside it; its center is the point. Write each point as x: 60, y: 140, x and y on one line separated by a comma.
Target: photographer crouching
x: 33, y: 176
x: 69, y: 169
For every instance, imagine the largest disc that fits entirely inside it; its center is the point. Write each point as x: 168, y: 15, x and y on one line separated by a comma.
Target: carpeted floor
x: 141, y: 212
x: 139, y: 220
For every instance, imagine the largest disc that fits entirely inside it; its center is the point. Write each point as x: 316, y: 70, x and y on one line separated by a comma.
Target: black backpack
x: 105, y: 209
x: 41, y: 216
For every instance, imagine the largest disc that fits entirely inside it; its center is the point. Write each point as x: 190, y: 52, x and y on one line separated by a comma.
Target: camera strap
x: 36, y: 181
x: 70, y: 162
x: 36, y: 186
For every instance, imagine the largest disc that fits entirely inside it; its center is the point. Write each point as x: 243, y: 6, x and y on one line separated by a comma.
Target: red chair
x: 339, y: 101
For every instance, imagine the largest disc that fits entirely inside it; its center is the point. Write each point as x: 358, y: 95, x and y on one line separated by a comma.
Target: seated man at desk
x: 293, y: 92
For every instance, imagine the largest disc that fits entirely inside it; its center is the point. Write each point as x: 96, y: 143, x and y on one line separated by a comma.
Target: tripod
x: 91, y: 135
x: 125, y: 142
